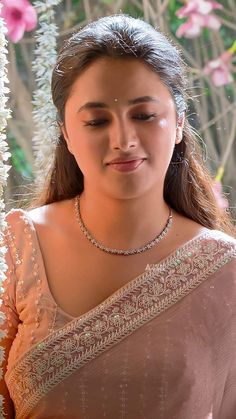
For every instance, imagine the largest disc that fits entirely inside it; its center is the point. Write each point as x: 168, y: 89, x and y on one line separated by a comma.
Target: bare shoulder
x: 185, y: 228
x: 54, y: 214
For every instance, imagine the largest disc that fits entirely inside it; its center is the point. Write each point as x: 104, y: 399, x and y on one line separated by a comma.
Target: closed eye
x: 144, y: 116
x: 95, y: 122
x: 101, y: 122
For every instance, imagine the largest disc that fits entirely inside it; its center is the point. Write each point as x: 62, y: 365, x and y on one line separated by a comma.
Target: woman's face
x: 119, y: 109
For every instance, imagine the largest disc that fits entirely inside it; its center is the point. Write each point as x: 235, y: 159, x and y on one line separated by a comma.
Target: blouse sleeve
x: 9, y: 321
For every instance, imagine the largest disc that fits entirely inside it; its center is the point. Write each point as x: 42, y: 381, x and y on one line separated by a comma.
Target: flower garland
x: 4, y: 155
x: 44, y: 114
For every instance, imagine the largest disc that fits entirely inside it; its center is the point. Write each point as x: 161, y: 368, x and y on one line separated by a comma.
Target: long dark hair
x: 188, y: 185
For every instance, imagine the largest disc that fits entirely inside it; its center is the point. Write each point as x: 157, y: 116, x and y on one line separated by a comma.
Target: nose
x: 123, y: 136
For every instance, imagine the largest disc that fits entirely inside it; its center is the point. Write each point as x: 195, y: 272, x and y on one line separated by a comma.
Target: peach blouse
x: 161, y: 347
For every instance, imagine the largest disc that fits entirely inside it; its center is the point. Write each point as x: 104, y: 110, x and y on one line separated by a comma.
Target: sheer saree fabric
x: 161, y: 347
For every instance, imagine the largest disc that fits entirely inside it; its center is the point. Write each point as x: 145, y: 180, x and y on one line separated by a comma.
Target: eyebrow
x: 101, y: 105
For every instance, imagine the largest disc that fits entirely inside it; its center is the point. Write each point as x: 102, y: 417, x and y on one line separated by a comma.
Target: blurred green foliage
x: 18, y: 159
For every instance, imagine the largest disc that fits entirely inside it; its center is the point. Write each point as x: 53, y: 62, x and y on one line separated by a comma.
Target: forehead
x: 120, y: 78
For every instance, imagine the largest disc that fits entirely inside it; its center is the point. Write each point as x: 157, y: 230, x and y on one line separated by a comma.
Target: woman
x: 120, y: 293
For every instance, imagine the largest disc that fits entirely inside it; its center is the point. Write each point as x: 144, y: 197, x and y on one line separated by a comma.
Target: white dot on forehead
x: 115, y: 100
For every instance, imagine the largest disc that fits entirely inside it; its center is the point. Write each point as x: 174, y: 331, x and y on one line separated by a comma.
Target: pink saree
x: 161, y: 347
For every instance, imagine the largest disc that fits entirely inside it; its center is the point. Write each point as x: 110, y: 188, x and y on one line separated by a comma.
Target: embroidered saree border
x: 149, y: 295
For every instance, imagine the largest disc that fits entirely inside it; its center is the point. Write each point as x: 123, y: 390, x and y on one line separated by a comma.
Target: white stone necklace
x: 122, y: 252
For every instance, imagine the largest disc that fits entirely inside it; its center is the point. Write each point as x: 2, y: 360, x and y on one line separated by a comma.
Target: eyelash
x: 139, y: 117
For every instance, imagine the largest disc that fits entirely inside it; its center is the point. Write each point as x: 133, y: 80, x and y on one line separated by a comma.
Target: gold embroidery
x: 13, y: 247
x: 157, y: 289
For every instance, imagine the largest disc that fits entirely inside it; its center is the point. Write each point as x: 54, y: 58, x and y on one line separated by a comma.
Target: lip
x: 125, y: 160
x: 126, y: 165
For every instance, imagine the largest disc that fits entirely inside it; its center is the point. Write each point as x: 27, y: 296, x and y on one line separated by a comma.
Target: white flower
x: 4, y: 155
x: 47, y: 133
x: 4, y: 115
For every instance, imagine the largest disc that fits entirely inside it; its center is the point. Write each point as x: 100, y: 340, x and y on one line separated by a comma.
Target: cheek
x: 168, y: 128
x: 163, y: 146
x: 87, y: 149
x: 164, y: 133
x: 163, y: 123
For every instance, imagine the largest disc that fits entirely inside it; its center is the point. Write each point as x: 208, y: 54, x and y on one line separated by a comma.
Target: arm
x: 8, y: 408
x: 9, y: 321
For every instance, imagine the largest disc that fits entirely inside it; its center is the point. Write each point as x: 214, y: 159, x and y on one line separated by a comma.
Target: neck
x: 123, y: 223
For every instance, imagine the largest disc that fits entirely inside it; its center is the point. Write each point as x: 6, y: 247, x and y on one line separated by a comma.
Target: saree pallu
x: 161, y: 347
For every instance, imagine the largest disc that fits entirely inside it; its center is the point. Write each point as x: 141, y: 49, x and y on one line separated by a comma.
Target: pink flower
x: 197, y: 12
x: 193, y: 26
x: 202, y: 7
x: 220, y: 198
x: 20, y: 16
x: 219, y: 69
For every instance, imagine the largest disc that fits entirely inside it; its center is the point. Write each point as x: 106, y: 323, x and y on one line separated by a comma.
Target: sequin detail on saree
x: 161, y: 286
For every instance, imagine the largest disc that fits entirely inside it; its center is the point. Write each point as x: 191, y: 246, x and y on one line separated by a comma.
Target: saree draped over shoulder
x: 161, y: 347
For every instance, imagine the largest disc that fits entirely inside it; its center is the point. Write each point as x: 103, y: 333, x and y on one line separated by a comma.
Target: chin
x: 128, y: 193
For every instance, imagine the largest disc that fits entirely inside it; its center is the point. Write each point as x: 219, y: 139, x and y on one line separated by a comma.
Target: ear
x: 179, y: 129
x: 66, y: 137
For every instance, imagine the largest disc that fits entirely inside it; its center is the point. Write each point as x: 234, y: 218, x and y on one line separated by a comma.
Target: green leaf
x: 18, y: 159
